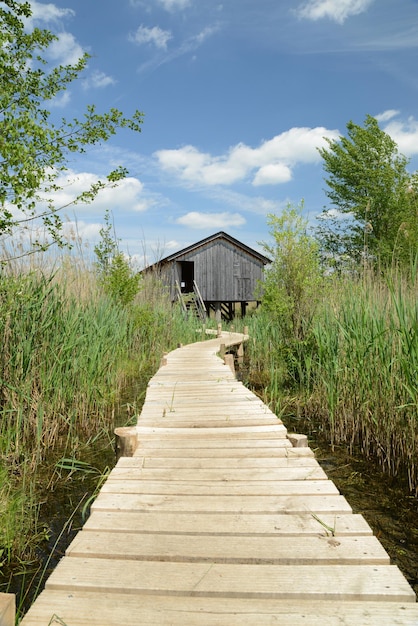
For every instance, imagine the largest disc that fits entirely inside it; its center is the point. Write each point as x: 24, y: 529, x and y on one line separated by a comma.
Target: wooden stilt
x: 126, y: 441
x: 7, y: 609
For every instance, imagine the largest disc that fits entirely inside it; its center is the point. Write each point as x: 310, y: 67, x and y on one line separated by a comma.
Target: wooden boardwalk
x: 218, y: 520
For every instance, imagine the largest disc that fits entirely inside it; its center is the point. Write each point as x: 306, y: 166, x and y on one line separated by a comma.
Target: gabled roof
x: 221, y: 235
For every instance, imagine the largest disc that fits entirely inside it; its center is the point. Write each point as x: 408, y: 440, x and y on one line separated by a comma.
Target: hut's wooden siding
x: 222, y: 271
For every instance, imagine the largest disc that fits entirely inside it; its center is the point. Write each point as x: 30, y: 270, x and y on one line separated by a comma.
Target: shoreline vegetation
x: 354, y: 372
x: 70, y: 349
x: 338, y: 349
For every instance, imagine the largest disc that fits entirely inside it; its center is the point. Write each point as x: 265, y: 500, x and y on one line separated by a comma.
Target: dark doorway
x: 186, y: 276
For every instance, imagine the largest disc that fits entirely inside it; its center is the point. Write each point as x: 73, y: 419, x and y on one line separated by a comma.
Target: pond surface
x: 64, y: 504
x: 62, y: 514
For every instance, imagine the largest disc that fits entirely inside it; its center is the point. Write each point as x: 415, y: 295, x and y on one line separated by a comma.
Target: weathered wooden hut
x: 218, y: 272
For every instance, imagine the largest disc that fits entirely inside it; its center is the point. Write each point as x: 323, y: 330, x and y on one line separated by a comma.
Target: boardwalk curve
x: 218, y: 520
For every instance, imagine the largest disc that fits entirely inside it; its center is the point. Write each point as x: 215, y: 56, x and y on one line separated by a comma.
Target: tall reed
x: 357, y: 373
x: 68, y: 350
x: 366, y: 368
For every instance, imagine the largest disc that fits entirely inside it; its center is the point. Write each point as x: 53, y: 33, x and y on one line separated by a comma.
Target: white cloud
x: 168, y: 5
x: 405, y: 134
x: 48, y: 12
x: 81, y: 230
x: 155, y: 35
x: 60, y: 102
x: 174, y: 5
x: 386, y: 115
x: 195, y: 219
x: 201, y: 37
x: 172, y: 245
x: 271, y: 162
x: 65, y: 49
x: 272, y: 175
x: 98, y: 80
x: 188, y: 46
x: 336, y: 10
x: 127, y: 195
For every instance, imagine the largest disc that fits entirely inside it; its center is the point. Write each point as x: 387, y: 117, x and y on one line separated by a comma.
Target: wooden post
x: 219, y: 330
x: 298, y: 441
x: 126, y: 441
x: 222, y: 350
x: 229, y: 360
x: 7, y: 609
x: 240, y: 353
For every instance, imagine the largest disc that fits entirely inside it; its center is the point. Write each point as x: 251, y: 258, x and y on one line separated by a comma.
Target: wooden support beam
x: 229, y: 360
x: 126, y: 441
x: 298, y: 441
x: 7, y: 609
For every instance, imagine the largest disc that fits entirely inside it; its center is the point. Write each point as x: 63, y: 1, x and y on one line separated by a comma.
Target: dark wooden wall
x: 222, y: 271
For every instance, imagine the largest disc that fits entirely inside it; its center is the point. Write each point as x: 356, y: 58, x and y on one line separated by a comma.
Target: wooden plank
x: 189, y: 411
x: 204, y: 392
x: 200, y: 388
x: 243, y: 432
x: 349, y: 582
x: 230, y: 392
x: 272, y: 442
x: 86, y: 608
x: 210, y: 488
x: 303, y: 550
x: 204, y: 363
x: 206, y: 405
x: 222, y: 504
x: 214, y: 375
x: 7, y: 609
x: 204, y: 422
x: 238, y: 524
x: 216, y: 405
x: 199, y: 435
x: 271, y: 451
x: 198, y: 417
x: 251, y: 475
x: 236, y: 463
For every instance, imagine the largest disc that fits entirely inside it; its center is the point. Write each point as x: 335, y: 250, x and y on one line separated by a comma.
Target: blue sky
x: 237, y: 96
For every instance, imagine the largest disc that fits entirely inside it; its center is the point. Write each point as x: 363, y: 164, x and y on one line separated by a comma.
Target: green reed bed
x: 366, y: 372
x: 58, y: 362
x: 59, y: 365
x: 67, y: 353
x: 354, y: 374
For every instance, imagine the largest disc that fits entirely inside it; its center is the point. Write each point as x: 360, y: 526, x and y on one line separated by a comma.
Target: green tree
x: 121, y: 282
x: 118, y: 279
x: 34, y: 151
x: 291, y: 285
x: 107, y: 247
x: 372, y: 214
